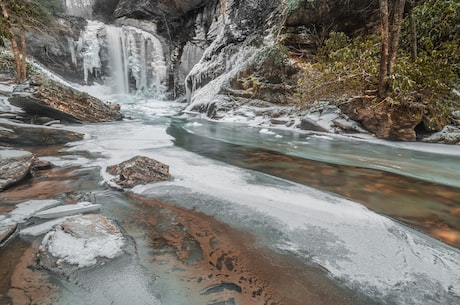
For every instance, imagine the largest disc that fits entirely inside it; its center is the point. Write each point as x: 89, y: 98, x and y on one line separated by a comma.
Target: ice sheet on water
x: 29, y: 208
x: 68, y: 209
x: 42, y: 228
x: 356, y: 245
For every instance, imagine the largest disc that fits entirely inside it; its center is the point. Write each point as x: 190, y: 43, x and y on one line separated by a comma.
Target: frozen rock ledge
x: 79, y: 242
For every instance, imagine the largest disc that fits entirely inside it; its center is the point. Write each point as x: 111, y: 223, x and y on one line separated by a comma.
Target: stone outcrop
x: 139, y: 170
x: 387, y: 119
x: 49, y: 98
x: 12, y: 133
x: 15, y: 165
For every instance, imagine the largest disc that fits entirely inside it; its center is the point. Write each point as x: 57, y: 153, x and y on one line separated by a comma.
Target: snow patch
x: 82, y: 240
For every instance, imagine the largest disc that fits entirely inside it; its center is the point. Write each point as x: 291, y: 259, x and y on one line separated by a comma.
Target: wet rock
x: 387, y: 119
x: 139, y: 170
x: 6, y: 231
x: 15, y: 165
x: 80, y: 242
x: 32, y: 135
x: 60, y: 102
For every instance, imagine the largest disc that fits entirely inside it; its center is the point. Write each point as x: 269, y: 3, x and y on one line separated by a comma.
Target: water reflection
x: 430, y: 207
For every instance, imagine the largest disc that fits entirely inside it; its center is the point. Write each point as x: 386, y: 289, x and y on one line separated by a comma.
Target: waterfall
x: 130, y: 59
x: 118, y: 60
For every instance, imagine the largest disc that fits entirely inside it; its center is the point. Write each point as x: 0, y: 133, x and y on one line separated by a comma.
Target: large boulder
x: 12, y: 133
x: 139, y: 170
x: 388, y: 119
x: 47, y: 97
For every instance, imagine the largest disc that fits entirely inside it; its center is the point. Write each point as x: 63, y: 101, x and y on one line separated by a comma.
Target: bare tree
x: 16, y: 16
x: 391, y: 17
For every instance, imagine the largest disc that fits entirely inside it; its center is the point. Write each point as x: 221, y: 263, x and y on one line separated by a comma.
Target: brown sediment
x: 20, y: 282
x: 226, y: 263
x: 46, y: 184
x: 30, y: 285
x: 428, y: 207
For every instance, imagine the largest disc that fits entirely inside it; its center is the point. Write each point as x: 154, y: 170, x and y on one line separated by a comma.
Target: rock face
x: 157, y: 8
x: 15, y: 165
x: 32, y: 135
x: 388, y: 119
x: 139, y: 170
x: 64, y: 103
x: 52, y: 48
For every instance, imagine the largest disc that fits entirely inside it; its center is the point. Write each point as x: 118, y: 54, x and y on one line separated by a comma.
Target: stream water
x: 297, y: 218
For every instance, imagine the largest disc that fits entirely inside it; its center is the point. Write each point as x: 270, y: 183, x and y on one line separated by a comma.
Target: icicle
x: 73, y: 55
x: 89, y: 46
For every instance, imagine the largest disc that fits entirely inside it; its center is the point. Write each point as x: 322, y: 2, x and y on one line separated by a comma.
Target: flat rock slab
x: 81, y: 241
x: 33, y: 135
x: 138, y: 171
x: 58, y: 101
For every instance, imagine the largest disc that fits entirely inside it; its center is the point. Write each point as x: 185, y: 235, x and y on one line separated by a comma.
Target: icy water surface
x: 245, y: 219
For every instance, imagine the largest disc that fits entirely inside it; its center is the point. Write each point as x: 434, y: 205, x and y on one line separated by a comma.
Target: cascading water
x: 126, y: 58
x: 118, y: 60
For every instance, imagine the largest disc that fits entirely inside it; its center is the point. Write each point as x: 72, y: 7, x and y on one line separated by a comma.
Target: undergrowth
x: 345, y: 67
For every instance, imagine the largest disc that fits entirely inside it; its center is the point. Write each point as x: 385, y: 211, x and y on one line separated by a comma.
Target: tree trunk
x: 383, y: 72
x: 413, y: 32
x: 13, y: 41
x: 23, y: 54
x: 395, y: 34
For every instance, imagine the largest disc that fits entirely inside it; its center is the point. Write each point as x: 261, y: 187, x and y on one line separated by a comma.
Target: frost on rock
x: 81, y: 241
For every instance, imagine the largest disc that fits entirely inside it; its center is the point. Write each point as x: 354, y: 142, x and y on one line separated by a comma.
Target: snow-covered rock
x: 449, y: 135
x: 79, y: 242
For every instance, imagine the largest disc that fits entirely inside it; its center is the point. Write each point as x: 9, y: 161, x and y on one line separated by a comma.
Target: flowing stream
x: 252, y: 215
x: 302, y: 196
